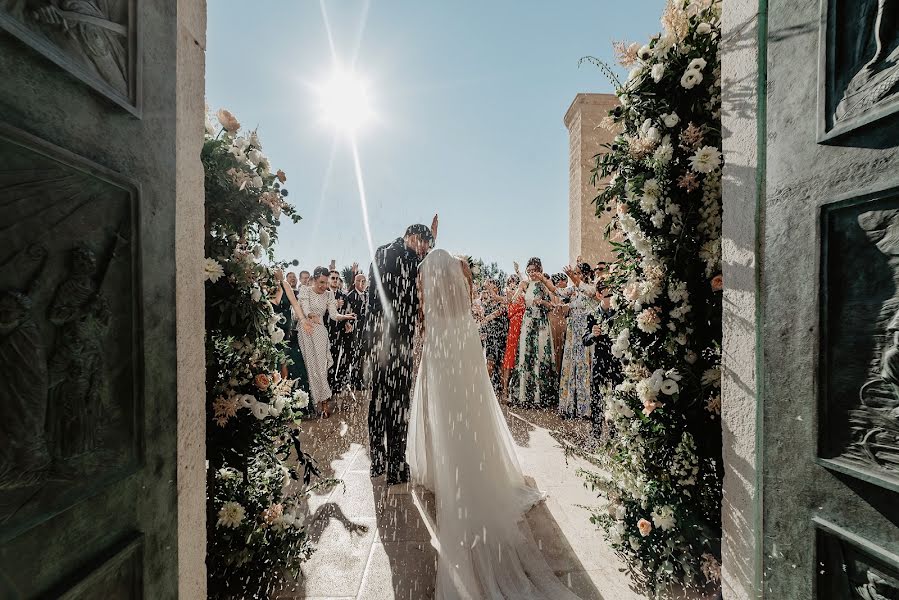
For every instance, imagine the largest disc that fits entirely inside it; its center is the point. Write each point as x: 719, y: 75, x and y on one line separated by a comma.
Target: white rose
x: 635, y: 73
x: 264, y: 238
x: 663, y: 45
x: 653, y: 135
x: 697, y: 64
x: 256, y: 294
x: 256, y: 182
x: 278, y: 335
x: 657, y: 72
x: 260, y: 410
x: 644, y: 53
x: 690, y: 79
x: 241, y: 143
x: 669, y: 387
x: 255, y: 156
x: 670, y: 120
x: 703, y: 29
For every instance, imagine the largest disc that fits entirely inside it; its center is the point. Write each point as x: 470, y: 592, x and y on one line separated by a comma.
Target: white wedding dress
x: 460, y: 448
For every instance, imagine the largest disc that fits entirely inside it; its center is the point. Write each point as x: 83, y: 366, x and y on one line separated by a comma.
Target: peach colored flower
x: 272, y: 513
x: 632, y: 291
x: 626, y: 53
x: 645, y: 527
x: 228, y: 121
x: 692, y: 136
x: 640, y: 147
x: 282, y: 177
x: 717, y: 283
x: 649, y: 406
x: 688, y: 182
x: 223, y: 409
x: 262, y: 381
x: 623, y: 208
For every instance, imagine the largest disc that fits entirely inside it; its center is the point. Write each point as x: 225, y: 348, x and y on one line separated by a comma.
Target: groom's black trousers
x: 388, y: 411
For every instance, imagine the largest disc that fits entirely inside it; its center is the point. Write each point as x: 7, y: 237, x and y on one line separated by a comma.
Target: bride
x: 460, y: 448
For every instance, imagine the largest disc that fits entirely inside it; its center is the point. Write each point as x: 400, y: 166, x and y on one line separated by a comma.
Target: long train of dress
x: 460, y: 448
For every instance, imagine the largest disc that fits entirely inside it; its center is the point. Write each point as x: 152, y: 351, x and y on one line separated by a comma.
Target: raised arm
x: 334, y: 311
x: 520, y: 291
x: 291, y: 297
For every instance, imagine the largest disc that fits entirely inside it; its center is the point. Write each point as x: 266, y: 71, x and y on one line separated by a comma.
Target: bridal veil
x: 460, y: 448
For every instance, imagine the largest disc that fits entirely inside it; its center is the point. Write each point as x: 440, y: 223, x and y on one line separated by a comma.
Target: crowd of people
x: 544, y: 339
x: 542, y: 334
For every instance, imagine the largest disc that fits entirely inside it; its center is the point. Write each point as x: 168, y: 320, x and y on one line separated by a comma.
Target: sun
x: 344, y: 101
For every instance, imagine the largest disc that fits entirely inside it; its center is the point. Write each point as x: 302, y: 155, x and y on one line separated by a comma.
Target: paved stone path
x: 374, y: 545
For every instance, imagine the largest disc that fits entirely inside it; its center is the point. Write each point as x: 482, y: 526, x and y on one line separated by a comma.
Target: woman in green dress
x: 538, y: 379
x: 285, y: 297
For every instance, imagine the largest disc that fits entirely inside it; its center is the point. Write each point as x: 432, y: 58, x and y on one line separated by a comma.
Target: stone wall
x: 585, y: 140
x: 190, y: 234
x: 740, y: 514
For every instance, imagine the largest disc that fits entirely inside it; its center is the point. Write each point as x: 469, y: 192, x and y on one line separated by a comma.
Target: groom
x: 390, y: 326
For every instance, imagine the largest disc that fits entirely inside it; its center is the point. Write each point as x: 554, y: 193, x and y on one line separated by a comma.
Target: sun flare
x: 344, y: 101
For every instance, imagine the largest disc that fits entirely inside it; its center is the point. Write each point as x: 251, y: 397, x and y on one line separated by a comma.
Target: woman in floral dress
x: 577, y: 361
x: 494, y: 327
x: 316, y: 300
x: 538, y: 380
x: 515, y: 311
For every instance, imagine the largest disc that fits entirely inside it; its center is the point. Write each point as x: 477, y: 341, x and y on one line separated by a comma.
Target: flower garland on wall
x: 663, y: 452
x: 255, y: 529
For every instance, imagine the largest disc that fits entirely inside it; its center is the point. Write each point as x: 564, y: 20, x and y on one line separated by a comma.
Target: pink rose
x: 717, y: 283
x: 228, y: 121
x: 645, y: 527
x: 649, y: 406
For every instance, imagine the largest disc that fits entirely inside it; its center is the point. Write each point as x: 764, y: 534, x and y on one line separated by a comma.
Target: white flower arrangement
x: 664, y: 185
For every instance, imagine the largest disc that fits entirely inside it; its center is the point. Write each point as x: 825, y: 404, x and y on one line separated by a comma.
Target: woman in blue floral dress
x: 537, y: 378
x: 577, y: 361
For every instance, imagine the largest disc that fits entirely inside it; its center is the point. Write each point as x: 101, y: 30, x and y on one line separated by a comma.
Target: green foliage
x: 255, y: 530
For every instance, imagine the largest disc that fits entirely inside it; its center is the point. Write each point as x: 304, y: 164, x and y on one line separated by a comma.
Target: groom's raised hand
x: 434, y: 227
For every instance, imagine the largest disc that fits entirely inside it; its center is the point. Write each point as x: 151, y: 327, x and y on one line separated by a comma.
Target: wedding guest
x: 577, y: 361
x: 357, y: 304
x: 317, y: 302
x: 304, y: 278
x: 337, y: 335
x: 607, y: 371
x: 515, y: 313
x: 558, y: 318
x: 293, y: 281
x: 286, y: 305
x: 538, y: 379
x: 495, y: 326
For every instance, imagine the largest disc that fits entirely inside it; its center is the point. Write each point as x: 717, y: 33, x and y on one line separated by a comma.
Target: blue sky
x: 469, y: 99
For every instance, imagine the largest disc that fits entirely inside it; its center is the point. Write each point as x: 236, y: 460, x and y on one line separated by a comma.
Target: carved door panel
x: 88, y: 500
x: 830, y: 301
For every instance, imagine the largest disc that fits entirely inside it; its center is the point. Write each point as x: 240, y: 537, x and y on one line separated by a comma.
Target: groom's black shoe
x: 398, y: 478
x: 377, y: 470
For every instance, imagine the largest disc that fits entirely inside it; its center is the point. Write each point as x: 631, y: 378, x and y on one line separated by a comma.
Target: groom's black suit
x: 390, y: 327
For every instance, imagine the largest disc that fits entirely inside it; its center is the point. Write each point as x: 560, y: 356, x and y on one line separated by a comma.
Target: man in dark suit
x: 390, y: 326
x: 338, y: 337
x: 357, y: 301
